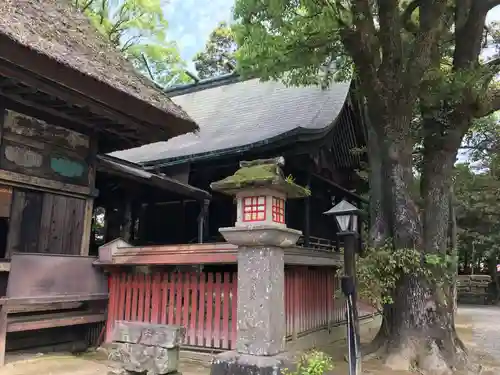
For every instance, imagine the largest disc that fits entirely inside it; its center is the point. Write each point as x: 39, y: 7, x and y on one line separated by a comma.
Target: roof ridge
x: 205, y: 84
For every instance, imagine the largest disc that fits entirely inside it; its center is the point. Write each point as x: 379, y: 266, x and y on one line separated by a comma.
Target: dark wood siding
x: 45, y: 223
x: 35, y: 148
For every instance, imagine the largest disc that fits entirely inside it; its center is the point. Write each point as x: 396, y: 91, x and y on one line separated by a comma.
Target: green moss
x: 260, y: 175
x: 264, y: 172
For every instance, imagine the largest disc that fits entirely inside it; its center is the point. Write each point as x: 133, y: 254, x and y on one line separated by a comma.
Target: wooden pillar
x: 89, y: 202
x: 3, y: 333
x: 127, y: 224
x: 136, y: 207
x: 87, y: 226
x: 203, y: 220
x: 307, y: 214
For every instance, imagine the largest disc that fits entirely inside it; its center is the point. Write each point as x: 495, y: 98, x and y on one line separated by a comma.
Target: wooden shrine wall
x: 42, y: 222
x: 52, y: 168
x: 35, y: 148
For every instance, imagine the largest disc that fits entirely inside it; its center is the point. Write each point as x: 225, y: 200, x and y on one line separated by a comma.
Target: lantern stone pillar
x: 261, y: 234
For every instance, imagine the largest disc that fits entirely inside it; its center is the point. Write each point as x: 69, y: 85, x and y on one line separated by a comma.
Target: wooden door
x: 42, y: 222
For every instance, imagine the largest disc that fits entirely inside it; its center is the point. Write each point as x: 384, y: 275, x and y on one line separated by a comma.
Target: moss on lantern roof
x: 260, y: 173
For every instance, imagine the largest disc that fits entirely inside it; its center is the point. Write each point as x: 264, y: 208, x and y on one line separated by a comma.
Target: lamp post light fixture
x: 346, y: 214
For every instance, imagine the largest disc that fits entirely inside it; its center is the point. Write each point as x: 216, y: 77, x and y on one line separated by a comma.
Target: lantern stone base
x: 234, y: 363
x: 261, y: 235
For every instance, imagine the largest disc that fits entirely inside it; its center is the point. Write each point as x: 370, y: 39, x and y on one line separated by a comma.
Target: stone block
x: 234, y: 363
x: 161, y: 335
x: 141, y: 358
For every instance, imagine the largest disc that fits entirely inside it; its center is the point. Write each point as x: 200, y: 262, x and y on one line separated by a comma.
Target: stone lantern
x: 261, y: 192
x: 261, y: 234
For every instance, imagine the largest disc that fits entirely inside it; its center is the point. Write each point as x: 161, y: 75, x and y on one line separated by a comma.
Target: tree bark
x: 418, y: 328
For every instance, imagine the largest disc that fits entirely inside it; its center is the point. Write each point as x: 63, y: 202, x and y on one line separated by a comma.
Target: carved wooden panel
x: 35, y: 148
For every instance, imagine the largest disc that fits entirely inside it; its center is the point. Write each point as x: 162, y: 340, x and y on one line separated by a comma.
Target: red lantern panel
x: 254, y: 209
x: 279, y: 210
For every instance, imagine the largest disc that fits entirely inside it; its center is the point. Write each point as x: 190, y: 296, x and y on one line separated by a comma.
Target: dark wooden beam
x: 347, y: 193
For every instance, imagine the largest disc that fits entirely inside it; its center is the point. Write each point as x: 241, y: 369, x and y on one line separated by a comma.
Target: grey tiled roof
x: 245, y: 113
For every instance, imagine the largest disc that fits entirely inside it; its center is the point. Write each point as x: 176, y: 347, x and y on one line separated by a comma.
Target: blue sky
x: 191, y: 22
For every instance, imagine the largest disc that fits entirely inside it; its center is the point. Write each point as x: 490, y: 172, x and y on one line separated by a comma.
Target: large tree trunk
x: 418, y: 328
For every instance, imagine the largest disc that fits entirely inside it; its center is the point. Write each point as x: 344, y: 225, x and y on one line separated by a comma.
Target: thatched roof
x: 55, y: 29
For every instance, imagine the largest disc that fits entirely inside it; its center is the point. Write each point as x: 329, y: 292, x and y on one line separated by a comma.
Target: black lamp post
x: 346, y: 215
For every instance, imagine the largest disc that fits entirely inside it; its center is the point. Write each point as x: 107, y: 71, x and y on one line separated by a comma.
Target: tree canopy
x: 138, y: 29
x: 477, y: 189
x: 218, y: 56
x: 406, y: 58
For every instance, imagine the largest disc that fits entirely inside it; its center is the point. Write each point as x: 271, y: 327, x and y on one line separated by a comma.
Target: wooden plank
x: 234, y: 311
x: 30, y: 222
x: 111, y: 306
x: 193, y: 310
x: 147, y: 299
x: 58, y: 225
x: 30, y: 127
x: 52, y: 321
x: 171, y: 298
x: 16, y: 302
x: 46, y: 222
x: 3, y: 334
x: 43, y: 307
x: 135, y: 297
x: 201, y: 310
x: 128, y: 296
x: 178, y: 299
x: 156, y: 298
x: 141, y: 292
x: 87, y: 226
x: 21, y: 180
x: 121, y: 296
x: 225, y: 312
x: 78, y: 226
x: 50, y: 164
x: 164, y: 298
x: 5, y: 201
x: 210, y: 305
x: 185, y: 301
x: 24, y: 226
x: 16, y: 215
x: 217, y: 314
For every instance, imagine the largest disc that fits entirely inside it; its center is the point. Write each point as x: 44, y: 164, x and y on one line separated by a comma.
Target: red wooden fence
x: 204, y: 303
x: 309, y: 300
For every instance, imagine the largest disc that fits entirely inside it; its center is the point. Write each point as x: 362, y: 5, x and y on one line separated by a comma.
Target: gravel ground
x: 485, y: 327
x: 485, y: 337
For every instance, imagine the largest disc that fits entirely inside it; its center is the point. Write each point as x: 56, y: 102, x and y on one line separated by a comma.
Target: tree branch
x: 471, y: 17
x: 390, y: 39
x: 427, y: 36
x: 489, y: 104
x: 362, y: 43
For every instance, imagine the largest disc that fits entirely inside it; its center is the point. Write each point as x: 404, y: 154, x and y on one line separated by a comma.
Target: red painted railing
x: 204, y: 303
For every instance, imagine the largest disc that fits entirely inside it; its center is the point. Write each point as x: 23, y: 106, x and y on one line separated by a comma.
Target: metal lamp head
x: 346, y: 216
